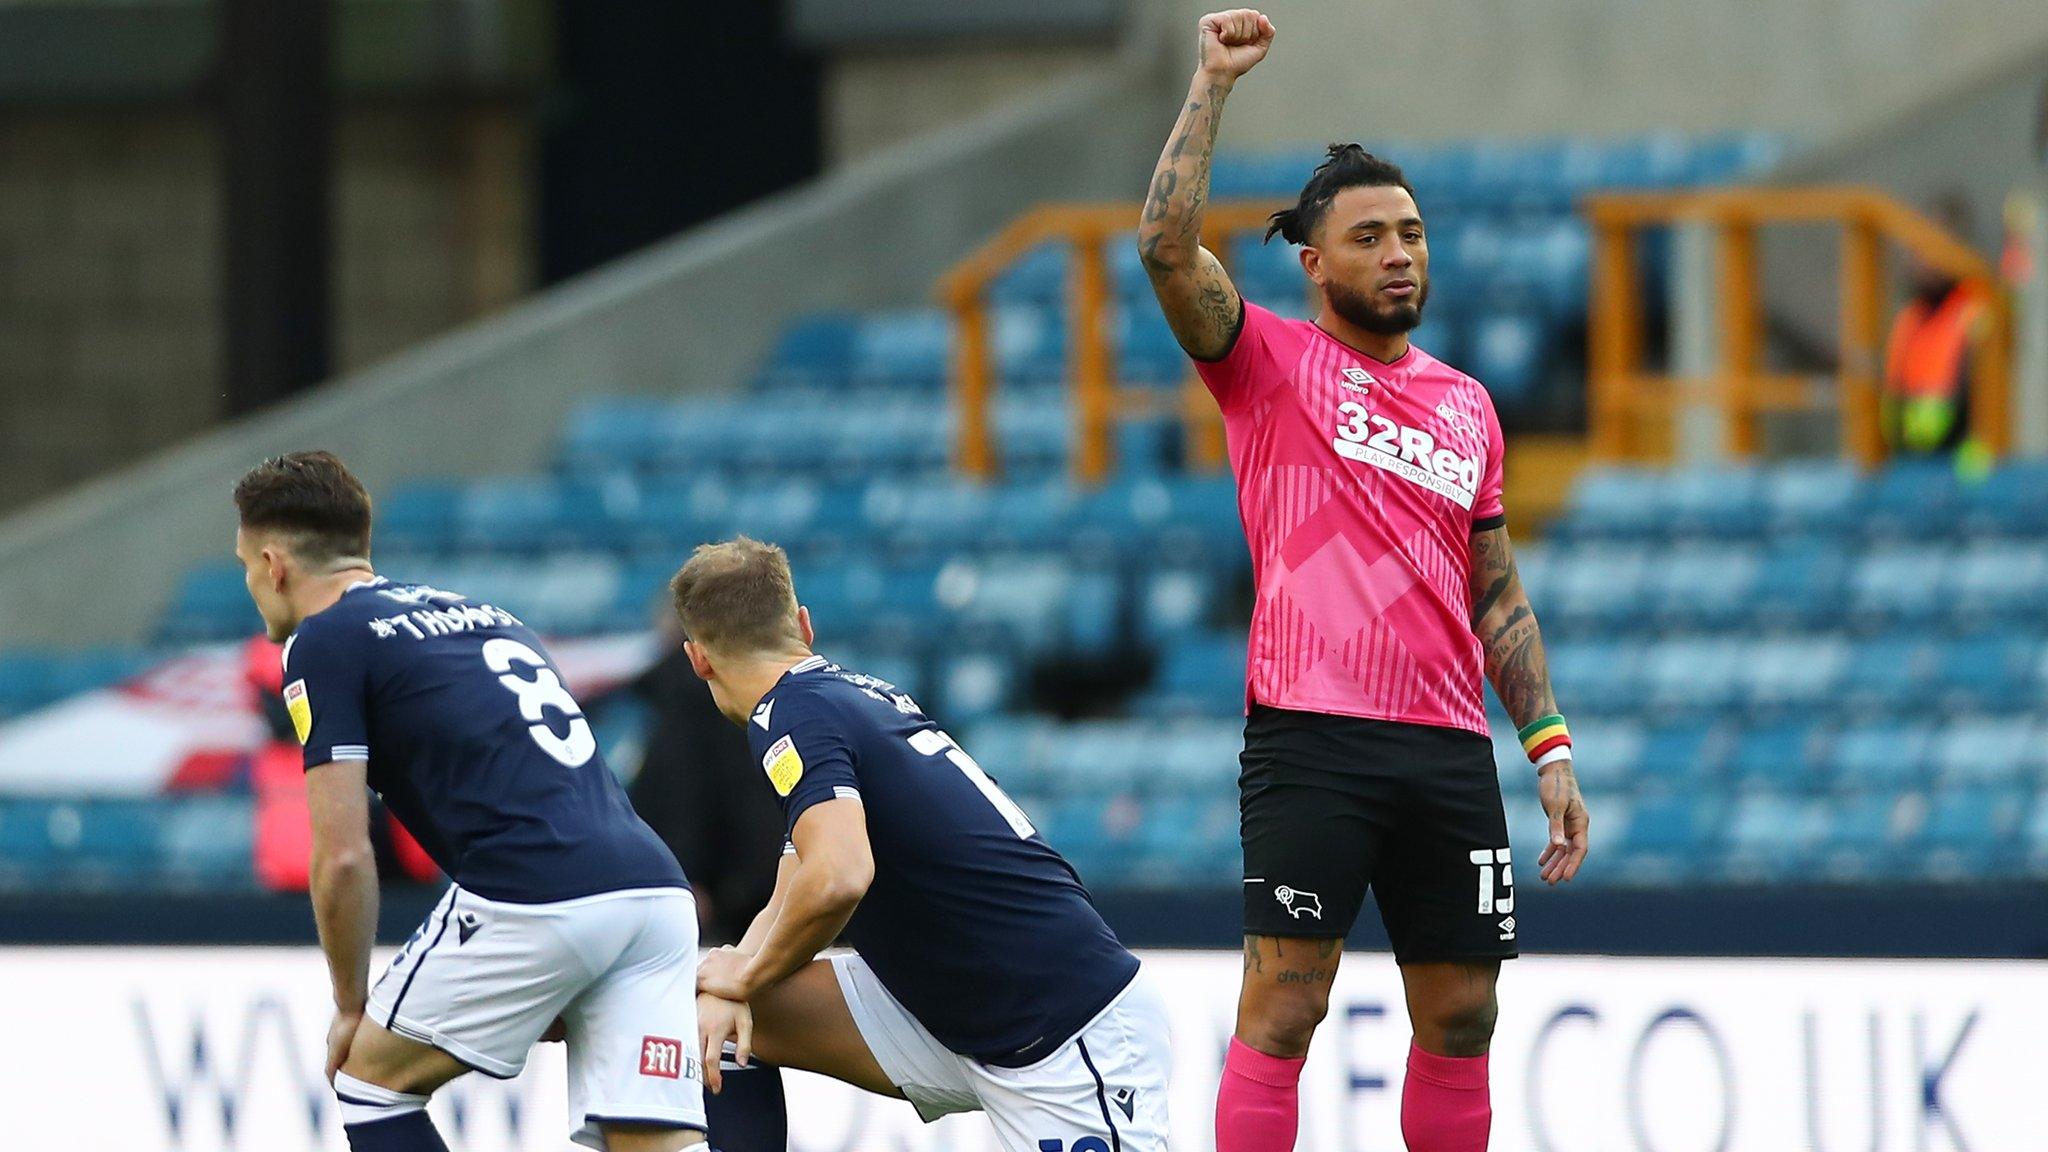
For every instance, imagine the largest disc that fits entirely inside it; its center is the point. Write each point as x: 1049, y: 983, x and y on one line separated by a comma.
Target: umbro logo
x: 762, y: 713
x: 1357, y: 380
x: 466, y: 926
x: 1507, y: 928
x: 1126, y: 1101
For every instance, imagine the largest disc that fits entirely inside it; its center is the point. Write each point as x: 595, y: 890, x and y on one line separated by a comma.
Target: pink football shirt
x: 1360, y: 484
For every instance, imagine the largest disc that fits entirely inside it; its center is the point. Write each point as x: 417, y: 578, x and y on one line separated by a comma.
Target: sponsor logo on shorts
x: 783, y: 765
x: 465, y: 927
x: 1126, y: 1100
x: 1507, y: 928
x: 660, y: 1056
x: 1299, y: 903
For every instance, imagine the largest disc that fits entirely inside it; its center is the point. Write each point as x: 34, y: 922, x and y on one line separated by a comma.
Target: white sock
x: 365, y: 1103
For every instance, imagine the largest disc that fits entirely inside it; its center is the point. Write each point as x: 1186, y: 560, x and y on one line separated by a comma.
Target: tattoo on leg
x: 1304, y: 976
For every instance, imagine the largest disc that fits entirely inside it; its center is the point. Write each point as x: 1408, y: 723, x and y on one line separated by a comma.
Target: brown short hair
x: 737, y: 597
x: 313, y: 497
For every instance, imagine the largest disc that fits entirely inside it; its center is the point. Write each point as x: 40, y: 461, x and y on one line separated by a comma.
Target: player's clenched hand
x: 340, y: 1035
x: 719, y: 1020
x: 1559, y: 790
x: 1234, y: 41
x: 721, y: 972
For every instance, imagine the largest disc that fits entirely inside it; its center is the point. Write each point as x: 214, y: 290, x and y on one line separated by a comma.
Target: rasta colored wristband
x: 1544, y: 735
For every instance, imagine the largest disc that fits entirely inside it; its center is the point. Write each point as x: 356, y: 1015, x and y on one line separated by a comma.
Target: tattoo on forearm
x: 1493, y: 572
x: 1516, y: 665
x: 1515, y: 660
x: 1180, y: 185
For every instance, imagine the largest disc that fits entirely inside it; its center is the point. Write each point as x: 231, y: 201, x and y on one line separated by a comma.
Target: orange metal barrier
x: 1099, y: 399
x: 1631, y: 410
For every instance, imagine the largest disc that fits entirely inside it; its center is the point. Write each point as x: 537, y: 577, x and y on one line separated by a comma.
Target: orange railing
x: 1631, y: 411
x: 1100, y: 400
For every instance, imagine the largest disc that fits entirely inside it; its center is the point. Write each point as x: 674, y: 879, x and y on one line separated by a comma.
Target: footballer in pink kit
x: 1369, y: 481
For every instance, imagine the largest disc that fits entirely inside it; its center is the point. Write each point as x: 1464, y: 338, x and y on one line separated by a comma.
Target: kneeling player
x: 563, y: 903
x: 983, y: 977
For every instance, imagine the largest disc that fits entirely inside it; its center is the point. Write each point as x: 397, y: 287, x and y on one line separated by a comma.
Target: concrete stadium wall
x: 1344, y: 70
x: 97, y: 564
x: 110, y: 274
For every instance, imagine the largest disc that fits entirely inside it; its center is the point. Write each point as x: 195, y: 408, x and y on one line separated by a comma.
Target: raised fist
x: 1234, y: 41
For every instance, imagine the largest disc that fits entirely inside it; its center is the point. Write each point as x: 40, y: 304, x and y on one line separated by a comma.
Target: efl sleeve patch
x: 301, y: 709
x: 783, y: 765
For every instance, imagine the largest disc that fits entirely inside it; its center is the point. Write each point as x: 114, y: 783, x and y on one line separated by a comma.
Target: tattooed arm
x: 1201, y: 304
x: 1506, y: 627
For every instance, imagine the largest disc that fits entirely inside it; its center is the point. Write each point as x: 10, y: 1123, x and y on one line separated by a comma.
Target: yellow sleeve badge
x: 301, y: 709
x: 784, y: 766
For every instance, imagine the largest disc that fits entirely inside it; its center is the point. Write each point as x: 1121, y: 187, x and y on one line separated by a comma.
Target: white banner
x: 219, y: 1050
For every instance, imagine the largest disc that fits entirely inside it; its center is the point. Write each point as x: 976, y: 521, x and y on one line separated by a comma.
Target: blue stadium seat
x: 1818, y: 497
x: 1509, y: 350
x: 2009, y: 502
x: 1912, y: 500
x: 1691, y: 674
x: 1786, y: 672
x: 1705, y: 586
x: 1773, y: 837
x: 1599, y: 587
x: 1715, y: 502
x: 907, y: 349
x: 1862, y: 835
x: 1777, y: 758
x: 1880, y: 757
x: 1198, y: 756
x: 1200, y: 675
x: 417, y: 517
x: 1967, y: 830
x: 1889, y: 670
x: 814, y: 352
x: 1987, y: 672
x: 211, y: 603
x: 1995, y: 581
x: 1800, y: 585
x: 1668, y: 836
x: 1602, y: 675
x: 1677, y: 758
x: 1613, y: 501
x: 2034, y: 837
x: 1900, y: 584
x: 1174, y: 601
x: 1040, y: 278
x: 1987, y: 751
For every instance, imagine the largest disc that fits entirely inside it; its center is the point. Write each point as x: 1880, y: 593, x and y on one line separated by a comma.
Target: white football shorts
x: 481, y: 980
x: 1105, y: 1090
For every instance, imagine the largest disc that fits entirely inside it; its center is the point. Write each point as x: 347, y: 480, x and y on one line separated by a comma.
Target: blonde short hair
x: 737, y: 597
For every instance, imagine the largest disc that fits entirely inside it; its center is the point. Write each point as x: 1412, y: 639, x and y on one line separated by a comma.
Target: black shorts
x: 1333, y: 805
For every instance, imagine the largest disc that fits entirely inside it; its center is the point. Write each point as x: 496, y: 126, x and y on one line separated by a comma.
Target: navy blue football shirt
x: 972, y: 922
x: 472, y: 741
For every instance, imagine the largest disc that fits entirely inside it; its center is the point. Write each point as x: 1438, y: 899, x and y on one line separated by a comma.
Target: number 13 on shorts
x: 1492, y: 900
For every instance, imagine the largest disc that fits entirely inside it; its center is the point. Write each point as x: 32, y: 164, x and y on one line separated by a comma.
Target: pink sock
x: 1445, y: 1106
x: 1258, y: 1104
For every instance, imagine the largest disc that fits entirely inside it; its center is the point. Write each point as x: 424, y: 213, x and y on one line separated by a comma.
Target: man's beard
x: 1367, y: 312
